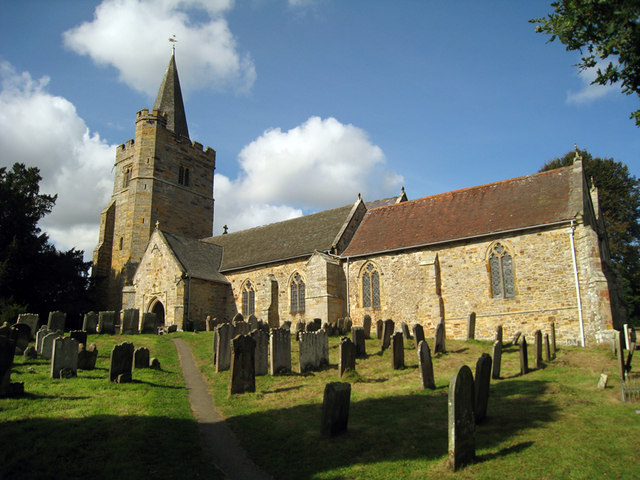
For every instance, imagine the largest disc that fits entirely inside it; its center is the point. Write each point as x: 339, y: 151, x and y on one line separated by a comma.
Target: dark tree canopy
x: 34, y: 276
x: 619, y: 199
x: 600, y: 30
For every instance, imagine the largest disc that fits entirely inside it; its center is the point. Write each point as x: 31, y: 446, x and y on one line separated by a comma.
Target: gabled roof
x: 198, y: 259
x: 169, y: 101
x: 295, y: 238
x: 519, y: 203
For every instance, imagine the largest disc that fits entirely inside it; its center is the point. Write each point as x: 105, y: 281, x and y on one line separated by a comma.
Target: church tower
x: 160, y: 177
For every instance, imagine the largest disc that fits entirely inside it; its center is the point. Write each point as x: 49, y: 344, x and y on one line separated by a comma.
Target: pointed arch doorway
x: 157, y: 308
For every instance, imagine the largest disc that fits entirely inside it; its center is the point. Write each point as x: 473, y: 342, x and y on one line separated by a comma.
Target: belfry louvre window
x: 183, y: 176
x: 297, y: 294
x: 248, y: 299
x: 371, y: 287
x: 501, y: 271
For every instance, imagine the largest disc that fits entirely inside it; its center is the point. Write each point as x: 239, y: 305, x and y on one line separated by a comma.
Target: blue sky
x: 307, y: 102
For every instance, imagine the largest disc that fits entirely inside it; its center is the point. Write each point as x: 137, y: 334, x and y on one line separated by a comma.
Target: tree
x: 34, y: 276
x: 600, y: 30
x: 619, y: 199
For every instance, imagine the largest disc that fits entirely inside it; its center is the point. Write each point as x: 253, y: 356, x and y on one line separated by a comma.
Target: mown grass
x: 551, y: 423
x: 88, y: 427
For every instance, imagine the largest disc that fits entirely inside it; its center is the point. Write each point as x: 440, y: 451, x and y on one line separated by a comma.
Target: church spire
x: 169, y: 101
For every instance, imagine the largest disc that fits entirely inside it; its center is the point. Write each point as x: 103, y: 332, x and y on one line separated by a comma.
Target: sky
x: 308, y: 103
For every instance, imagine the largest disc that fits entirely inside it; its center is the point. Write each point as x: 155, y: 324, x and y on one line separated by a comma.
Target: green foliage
x: 600, y: 30
x: 619, y: 199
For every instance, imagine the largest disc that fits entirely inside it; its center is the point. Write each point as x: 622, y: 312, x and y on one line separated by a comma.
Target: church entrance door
x: 158, y: 309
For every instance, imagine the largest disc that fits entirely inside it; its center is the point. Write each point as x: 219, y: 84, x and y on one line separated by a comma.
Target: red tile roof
x: 538, y: 199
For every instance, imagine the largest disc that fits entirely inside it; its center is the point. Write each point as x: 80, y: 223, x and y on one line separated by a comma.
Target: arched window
x: 501, y: 272
x: 183, y: 176
x: 370, y: 286
x: 297, y: 294
x: 126, y: 177
x: 248, y: 299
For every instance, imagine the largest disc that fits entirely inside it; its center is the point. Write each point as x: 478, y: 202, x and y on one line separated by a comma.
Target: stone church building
x: 521, y: 253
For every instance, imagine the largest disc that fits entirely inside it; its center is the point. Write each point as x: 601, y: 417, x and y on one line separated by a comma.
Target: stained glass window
x: 501, y: 270
x: 371, y: 287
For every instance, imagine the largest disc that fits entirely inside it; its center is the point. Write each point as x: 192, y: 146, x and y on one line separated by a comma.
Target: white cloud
x: 132, y: 36
x: 43, y: 130
x: 589, y: 91
x: 317, y: 165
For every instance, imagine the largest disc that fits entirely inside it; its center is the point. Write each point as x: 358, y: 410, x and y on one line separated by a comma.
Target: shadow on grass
x: 388, y: 429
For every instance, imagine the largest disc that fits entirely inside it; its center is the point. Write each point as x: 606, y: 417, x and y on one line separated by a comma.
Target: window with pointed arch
x: 297, y: 288
x: 248, y: 299
x: 370, y: 286
x: 501, y: 272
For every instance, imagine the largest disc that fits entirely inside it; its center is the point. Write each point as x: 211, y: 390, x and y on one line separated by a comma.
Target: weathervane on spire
x: 173, y: 41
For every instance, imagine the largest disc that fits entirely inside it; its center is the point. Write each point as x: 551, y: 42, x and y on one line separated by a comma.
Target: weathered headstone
x: 418, y: 333
x: 323, y: 342
x: 262, y: 351
x: 397, y: 351
x: 462, y: 425
x: 148, y: 323
x: 547, y: 348
x: 335, y: 408
x: 439, y: 343
x: 40, y: 334
x: 340, y: 326
x: 252, y: 321
x: 309, y: 351
x: 87, y: 356
x: 243, y: 366
x: 64, y: 356
x: 47, y: 345
x: 121, y: 363
x: 154, y: 364
x: 241, y: 328
x: 552, y: 338
x: 498, y: 336
x: 386, y: 334
x: 366, y: 325
x: 602, y: 382
x: 141, y: 357
x: 209, y: 324
x: 482, y: 383
x: 30, y: 319
x: 497, y: 359
x: 130, y: 319
x: 405, y: 331
x: 471, y: 326
x: 524, y: 359
x: 224, y: 332
x: 537, y: 357
x: 79, y: 336
x: 348, y: 323
x: 426, y: 366
x: 30, y: 353
x: 21, y: 334
x: 57, y: 321
x: 346, y: 356
x: 300, y: 327
x: 107, y: 322
x: 516, y: 337
x: 90, y: 322
x: 279, y: 351
x: 379, y: 329
x: 358, y: 338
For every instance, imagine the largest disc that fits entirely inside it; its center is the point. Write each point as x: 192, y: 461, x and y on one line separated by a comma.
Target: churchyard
x: 552, y: 422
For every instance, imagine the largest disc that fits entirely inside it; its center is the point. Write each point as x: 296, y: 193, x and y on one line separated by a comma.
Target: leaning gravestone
x: 346, y: 356
x: 335, y: 408
x: 79, y: 336
x: 262, y: 351
x: 40, y: 334
x: 386, y: 334
x: 57, y: 321
x: 471, y: 326
x: 121, y: 363
x: 418, y: 333
x: 243, y: 363
x: 64, y: 357
x: 379, y: 329
x: 130, y: 321
x: 482, y: 383
x: 47, y: 345
x: 87, y: 356
x: 107, y: 322
x: 366, y: 325
x: 516, y: 337
x: 21, y: 334
x: 397, y: 351
x: 498, y: 337
x: 141, y: 358
x: 497, y: 359
x: 224, y: 333
x: 439, y: 343
x: 462, y: 425
x: 405, y: 331
x: 279, y: 351
x: 148, y: 323
x: 524, y: 359
x: 358, y: 338
x: 90, y: 322
x: 537, y: 357
x: 426, y: 366
x: 30, y: 319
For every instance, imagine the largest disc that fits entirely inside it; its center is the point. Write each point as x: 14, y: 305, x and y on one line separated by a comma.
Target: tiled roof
x: 539, y: 199
x: 199, y: 259
x: 293, y: 238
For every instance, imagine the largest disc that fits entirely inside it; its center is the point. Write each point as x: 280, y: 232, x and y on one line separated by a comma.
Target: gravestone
x: 481, y: 384
x: 552, y: 338
x: 379, y: 329
x: 224, y: 332
x: 20, y: 333
x: 471, y: 326
x: 537, y: 357
x: 498, y: 337
x: 107, y: 322
x: 90, y: 322
x: 130, y: 321
x: 346, y: 356
x: 262, y: 351
x: 439, y: 343
x: 209, y: 324
x: 462, y: 425
x: 323, y: 342
x: 79, y: 336
x: 340, y: 326
x: 241, y: 328
x: 252, y: 321
x: 418, y: 333
x: 312, y: 326
x: 279, y: 351
x: 426, y: 366
x: 57, y: 321
x: 243, y: 365
x: 397, y: 351
x: 148, y: 323
x: 7, y: 351
x: 300, y: 327
x: 348, y: 323
x: 64, y: 356
x: 87, y: 356
x: 497, y: 359
x: 154, y: 364
x: 30, y: 319
x: 121, y: 363
x: 405, y: 331
x: 547, y: 348
x: 30, y: 353
x: 524, y: 359
x: 366, y: 325
x: 40, y: 334
x: 309, y: 351
x: 516, y: 337
x: 335, y: 408
x: 387, y: 331
x: 47, y: 345
x: 358, y: 338
x: 238, y: 317
x: 141, y: 357
x: 602, y: 382
x: 620, y: 358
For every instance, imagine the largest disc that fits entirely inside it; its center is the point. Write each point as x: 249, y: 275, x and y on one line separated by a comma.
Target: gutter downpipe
x: 188, y: 301
x: 575, y: 273
x: 348, y: 306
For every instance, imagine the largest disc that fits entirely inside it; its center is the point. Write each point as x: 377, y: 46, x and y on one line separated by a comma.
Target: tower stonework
x: 160, y: 176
